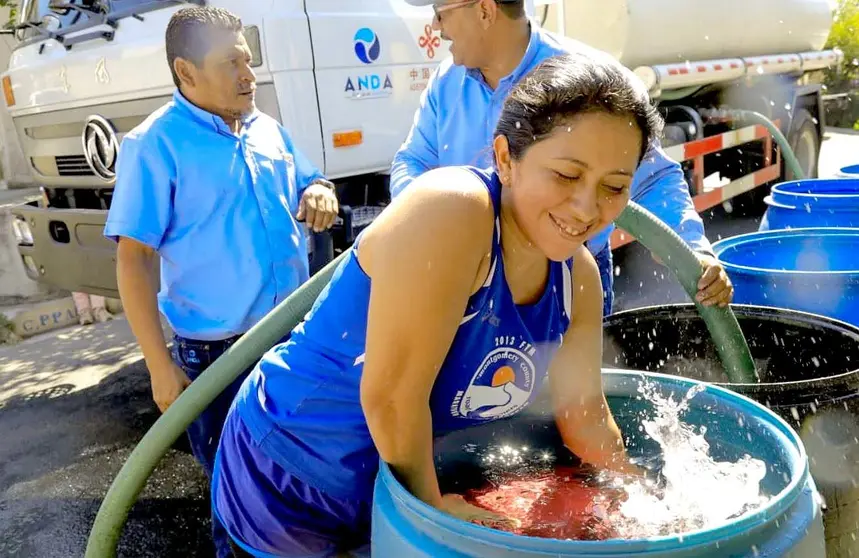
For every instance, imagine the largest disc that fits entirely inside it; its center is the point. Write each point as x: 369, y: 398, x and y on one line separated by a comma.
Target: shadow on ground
x: 62, y: 447
x: 74, y: 358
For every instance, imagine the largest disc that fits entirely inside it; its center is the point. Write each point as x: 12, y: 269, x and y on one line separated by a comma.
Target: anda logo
x: 368, y: 86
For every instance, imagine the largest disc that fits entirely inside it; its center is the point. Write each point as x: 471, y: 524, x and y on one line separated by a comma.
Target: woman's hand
x: 455, y: 505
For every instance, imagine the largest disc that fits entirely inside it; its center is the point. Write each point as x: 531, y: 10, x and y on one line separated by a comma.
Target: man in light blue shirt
x: 215, y: 190
x: 493, y: 46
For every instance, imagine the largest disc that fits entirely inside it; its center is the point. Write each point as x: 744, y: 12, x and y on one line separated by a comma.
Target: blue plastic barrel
x: 789, y: 525
x: 814, y: 270
x: 850, y: 171
x: 812, y: 203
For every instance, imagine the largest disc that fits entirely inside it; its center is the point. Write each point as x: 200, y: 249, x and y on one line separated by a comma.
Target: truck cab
x: 343, y: 77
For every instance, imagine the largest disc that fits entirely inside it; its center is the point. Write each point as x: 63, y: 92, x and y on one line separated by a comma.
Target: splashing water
x: 695, y: 491
x: 698, y: 492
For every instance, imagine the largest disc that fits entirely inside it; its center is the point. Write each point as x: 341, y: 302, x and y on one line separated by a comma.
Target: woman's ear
x: 503, y: 162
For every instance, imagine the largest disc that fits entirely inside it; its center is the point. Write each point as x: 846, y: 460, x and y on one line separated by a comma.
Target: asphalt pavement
x: 74, y: 403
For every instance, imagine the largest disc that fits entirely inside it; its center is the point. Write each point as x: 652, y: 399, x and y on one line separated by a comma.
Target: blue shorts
x: 269, y: 512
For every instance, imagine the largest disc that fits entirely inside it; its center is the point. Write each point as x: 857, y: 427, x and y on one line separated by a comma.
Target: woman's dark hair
x: 565, y: 86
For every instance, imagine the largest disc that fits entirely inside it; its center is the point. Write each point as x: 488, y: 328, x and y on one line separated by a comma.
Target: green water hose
x: 790, y: 160
x: 666, y: 244
x: 131, y: 479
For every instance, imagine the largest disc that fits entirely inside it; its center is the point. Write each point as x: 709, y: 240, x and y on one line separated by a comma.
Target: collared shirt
x: 219, y: 208
x: 455, y: 125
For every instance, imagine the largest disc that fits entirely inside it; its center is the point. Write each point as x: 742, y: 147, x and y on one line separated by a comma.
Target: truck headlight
x: 22, y: 232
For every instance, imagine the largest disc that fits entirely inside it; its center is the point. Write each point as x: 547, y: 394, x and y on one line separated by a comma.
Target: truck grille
x: 72, y: 165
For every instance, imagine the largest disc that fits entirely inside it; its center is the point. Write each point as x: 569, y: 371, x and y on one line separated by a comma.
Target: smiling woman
x: 453, y: 308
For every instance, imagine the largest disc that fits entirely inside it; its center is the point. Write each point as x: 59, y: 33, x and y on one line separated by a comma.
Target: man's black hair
x: 190, y: 29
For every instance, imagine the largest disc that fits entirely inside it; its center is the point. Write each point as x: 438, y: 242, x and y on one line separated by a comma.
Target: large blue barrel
x: 789, y: 525
x: 850, y: 171
x: 815, y: 270
x: 812, y: 203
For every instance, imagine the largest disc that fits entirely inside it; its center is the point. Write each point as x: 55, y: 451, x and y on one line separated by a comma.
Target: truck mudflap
x: 68, y: 249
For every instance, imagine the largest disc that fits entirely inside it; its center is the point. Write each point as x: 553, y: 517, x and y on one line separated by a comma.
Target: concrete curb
x: 27, y: 320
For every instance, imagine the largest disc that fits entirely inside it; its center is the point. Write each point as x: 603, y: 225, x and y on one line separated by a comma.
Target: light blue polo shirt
x: 219, y: 209
x: 455, y: 125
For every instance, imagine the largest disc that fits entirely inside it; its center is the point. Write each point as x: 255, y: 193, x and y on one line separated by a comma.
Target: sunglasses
x: 440, y: 9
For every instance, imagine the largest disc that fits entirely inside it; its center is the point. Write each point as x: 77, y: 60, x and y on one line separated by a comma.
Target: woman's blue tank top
x: 302, y: 404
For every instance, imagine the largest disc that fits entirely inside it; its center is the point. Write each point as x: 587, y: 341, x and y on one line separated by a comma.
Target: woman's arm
x: 423, y: 255
x: 582, y: 414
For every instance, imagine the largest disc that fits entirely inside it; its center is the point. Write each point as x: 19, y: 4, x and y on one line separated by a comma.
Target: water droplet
x: 794, y: 412
x: 518, y: 124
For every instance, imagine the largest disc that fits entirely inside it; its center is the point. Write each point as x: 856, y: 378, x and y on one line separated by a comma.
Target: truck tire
x: 804, y: 139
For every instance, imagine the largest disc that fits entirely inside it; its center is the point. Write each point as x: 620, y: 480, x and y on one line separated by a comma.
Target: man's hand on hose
x: 714, y: 287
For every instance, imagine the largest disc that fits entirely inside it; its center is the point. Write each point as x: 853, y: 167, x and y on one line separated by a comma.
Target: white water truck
x: 96, y: 68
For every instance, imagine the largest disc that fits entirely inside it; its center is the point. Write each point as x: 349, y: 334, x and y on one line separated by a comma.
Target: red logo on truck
x: 429, y: 41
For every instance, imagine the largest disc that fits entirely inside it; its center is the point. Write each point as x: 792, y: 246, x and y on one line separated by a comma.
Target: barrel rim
x: 851, y: 329
x: 740, y: 240
x: 778, y: 505
x: 785, y: 188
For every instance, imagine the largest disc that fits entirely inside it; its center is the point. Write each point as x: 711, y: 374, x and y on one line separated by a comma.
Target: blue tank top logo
x: 502, y: 384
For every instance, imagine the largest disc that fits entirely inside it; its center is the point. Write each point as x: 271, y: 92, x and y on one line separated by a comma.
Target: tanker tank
x: 650, y: 32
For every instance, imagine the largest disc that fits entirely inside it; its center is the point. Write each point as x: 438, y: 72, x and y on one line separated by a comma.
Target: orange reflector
x: 346, y: 139
x: 7, y: 91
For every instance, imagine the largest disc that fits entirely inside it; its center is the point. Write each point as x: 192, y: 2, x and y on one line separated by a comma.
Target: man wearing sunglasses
x: 493, y: 45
